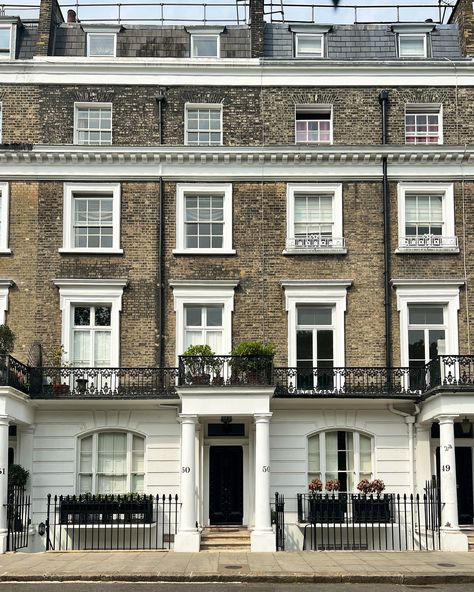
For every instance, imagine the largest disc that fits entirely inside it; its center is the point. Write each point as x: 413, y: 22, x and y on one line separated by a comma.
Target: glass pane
x: 102, y: 348
x: 309, y: 45
x: 112, y: 484
x: 81, y: 355
x: 112, y: 453
x: 416, y: 345
x: 138, y: 454
x: 314, y: 315
x: 204, y: 46
x: 102, y: 316
x: 101, y: 45
x: 437, y: 343
x: 412, y: 46
x: 214, y: 316
x: 325, y: 346
x: 331, y: 453
x: 304, y: 346
x: 193, y: 338
x: 138, y: 485
x: 82, y: 316
x: 193, y: 316
x: 425, y: 315
x: 365, y: 453
x: 214, y: 341
x: 85, y: 463
x: 5, y: 39
x: 85, y: 483
x: 313, y: 454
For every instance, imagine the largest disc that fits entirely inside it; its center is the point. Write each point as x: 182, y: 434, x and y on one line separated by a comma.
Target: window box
x: 98, y: 510
x: 327, y: 507
x: 370, y: 509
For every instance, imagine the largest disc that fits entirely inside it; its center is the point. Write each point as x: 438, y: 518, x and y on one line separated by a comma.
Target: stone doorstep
x: 220, y: 538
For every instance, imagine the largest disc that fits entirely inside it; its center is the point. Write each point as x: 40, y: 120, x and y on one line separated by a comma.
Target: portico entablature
x: 225, y: 401
x: 17, y: 406
x: 457, y: 404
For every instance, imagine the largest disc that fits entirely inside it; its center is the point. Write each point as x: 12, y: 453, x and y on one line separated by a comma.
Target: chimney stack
x: 463, y: 16
x: 71, y: 16
x: 257, y: 25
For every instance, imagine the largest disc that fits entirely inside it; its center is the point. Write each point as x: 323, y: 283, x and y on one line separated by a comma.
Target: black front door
x: 226, y: 495
x: 463, y: 482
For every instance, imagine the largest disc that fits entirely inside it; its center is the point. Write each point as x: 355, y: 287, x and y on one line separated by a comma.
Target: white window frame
x: 204, y: 293
x: 322, y: 452
x: 297, y: 37
x: 4, y: 289
x: 328, y: 293
x: 104, y: 32
x: 337, y: 247
x: 73, y: 189
x: 13, y: 33
x: 418, y: 35
x: 95, y: 449
x: 316, y: 109
x: 204, y: 34
x: 429, y: 292
x: 425, y: 109
x: 92, y: 105
x: 5, y: 226
x: 182, y: 189
x: 86, y: 292
x: 449, y: 234
x: 213, y: 106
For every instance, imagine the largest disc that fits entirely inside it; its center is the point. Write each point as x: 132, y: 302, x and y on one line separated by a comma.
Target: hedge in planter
x: 252, y: 362
x: 98, y: 509
x: 370, y: 508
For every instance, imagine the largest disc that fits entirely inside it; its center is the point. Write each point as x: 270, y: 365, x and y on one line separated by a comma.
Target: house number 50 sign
x: 185, y: 469
x: 265, y: 469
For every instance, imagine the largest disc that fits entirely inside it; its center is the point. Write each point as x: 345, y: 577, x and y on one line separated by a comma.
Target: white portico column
x: 262, y: 537
x: 452, y: 539
x: 4, y: 423
x: 188, y: 538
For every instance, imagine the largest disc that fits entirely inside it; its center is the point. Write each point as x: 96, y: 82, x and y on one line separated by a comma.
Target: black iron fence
x: 385, y: 522
x: 126, y: 383
x: 225, y: 370
x: 18, y: 518
x: 14, y: 373
x: 278, y: 518
x: 111, y: 522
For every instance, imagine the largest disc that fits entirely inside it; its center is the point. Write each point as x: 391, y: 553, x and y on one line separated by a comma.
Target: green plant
x: 252, y: 356
x: 7, y: 340
x: 57, y: 355
x: 202, y: 360
x: 17, y: 476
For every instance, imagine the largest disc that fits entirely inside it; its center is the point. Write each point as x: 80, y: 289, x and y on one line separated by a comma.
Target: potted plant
x: 7, y: 345
x: 17, y: 476
x: 57, y: 357
x: 199, y: 364
x: 252, y: 362
x: 326, y: 507
x: 370, y: 505
x: 17, y: 479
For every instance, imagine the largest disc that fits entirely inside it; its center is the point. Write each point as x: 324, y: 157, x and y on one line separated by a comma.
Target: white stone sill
x: 5, y: 252
x: 204, y: 251
x: 66, y: 251
x: 427, y: 250
x: 315, y: 252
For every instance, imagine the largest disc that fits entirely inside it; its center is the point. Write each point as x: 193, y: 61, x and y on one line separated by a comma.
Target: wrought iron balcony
x: 225, y: 370
x: 315, y: 243
x: 441, y: 373
x: 430, y: 242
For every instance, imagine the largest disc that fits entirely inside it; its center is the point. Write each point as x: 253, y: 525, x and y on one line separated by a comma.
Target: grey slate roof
x: 360, y: 42
x: 27, y: 37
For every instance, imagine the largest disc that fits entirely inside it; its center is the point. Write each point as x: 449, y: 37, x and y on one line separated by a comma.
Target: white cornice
x: 409, y: 282
x: 293, y: 163
x: 90, y: 283
x: 204, y: 283
x: 5, y: 283
x: 316, y: 283
x: 236, y: 72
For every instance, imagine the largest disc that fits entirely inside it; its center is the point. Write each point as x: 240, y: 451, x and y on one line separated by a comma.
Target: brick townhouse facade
x: 306, y: 185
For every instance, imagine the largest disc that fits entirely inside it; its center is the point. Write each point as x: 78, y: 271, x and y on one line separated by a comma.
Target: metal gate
x: 280, y: 521
x: 18, y: 518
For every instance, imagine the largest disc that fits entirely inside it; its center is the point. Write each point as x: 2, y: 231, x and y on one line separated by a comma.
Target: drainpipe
x: 410, y: 421
x: 161, y: 251
x: 383, y: 100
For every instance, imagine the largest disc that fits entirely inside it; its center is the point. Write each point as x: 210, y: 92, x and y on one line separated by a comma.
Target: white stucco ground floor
x: 226, y: 452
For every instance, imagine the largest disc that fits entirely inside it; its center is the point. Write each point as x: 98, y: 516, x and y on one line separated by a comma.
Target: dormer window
x: 412, y: 45
x: 101, y: 40
x: 204, y: 46
x: 101, y: 44
x: 413, y: 40
x: 308, y: 45
x: 7, y: 39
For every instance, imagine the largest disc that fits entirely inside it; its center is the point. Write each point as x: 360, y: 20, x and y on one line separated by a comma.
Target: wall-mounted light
x: 41, y: 528
x: 465, y: 425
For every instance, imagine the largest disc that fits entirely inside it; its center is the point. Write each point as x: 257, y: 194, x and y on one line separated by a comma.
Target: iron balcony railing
x: 315, y: 242
x: 225, y: 370
x: 429, y: 241
x: 443, y: 372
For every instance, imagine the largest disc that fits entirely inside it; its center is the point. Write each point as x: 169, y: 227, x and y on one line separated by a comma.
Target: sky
x: 224, y: 11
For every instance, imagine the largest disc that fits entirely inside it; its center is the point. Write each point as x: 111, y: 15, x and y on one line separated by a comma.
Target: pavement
x: 425, y: 567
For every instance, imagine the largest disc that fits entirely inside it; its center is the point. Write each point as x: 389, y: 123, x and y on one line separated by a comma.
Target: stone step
x: 223, y: 549
x: 226, y: 535
x: 228, y: 541
x: 225, y: 538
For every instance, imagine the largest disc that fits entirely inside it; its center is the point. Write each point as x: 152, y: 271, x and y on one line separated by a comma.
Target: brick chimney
x: 50, y: 17
x: 463, y: 16
x: 257, y: 25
